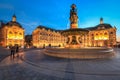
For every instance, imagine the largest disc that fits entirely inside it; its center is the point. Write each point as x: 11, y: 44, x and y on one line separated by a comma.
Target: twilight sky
x: 55, y: 13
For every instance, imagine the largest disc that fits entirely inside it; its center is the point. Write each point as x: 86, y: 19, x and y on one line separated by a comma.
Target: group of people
x: 14, y: 49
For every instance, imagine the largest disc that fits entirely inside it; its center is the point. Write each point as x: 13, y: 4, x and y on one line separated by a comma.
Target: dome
x: 47, y: 28
x: 11, y: 23
x: 104, y: 25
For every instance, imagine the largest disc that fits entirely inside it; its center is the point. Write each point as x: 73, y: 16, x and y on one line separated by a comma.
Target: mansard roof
x: 14, y: 23
x: 77, y: 29
x: 2, y: 24
x: 100, y: 26
x: 47, y: 28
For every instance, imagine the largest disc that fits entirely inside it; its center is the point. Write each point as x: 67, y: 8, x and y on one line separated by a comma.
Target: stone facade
x: 12, y: 34
x: 43, y: 36
x: 98, y: 36
x: 101, y: 35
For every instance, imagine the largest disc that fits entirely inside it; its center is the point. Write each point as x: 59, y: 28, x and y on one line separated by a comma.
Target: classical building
x: 11, y: 33
x: 43, y: 36
x: 100, y: 35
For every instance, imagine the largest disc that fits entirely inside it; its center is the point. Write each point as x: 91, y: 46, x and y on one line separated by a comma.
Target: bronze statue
x: 73, y: 14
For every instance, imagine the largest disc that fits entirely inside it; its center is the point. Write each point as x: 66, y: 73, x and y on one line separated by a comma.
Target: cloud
x: 6, y: 6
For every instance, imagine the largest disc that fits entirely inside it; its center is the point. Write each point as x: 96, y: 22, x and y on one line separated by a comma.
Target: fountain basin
x: 80, y: 53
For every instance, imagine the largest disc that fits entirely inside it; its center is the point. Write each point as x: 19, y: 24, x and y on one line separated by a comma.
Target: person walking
x: 13, y: 51
x: 17, y: 50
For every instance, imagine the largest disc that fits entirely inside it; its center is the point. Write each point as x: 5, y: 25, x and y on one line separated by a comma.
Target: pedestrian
x: 12, y: 51
x: 17, y: 50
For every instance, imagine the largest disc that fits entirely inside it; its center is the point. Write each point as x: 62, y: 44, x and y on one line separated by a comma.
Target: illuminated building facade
x: 12, y: 34
x: 43, y: 36
x: 101, y: 35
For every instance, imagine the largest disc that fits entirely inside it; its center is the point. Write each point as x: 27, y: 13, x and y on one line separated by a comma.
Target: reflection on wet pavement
x: 34, y: 65
x: 10, y: 60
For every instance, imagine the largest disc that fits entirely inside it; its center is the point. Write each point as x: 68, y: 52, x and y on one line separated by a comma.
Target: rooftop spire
x: 101, y: 20
x: 14, y: 18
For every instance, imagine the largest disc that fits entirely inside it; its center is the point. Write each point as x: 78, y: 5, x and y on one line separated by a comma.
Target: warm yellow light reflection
x: 14, y: 37
x: 101, y: 37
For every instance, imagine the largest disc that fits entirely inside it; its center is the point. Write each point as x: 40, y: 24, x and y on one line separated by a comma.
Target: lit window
x: 105, y: 34
x: 15, y: 32
x: 20, y: 33
x: 10, y: 32
x: 92, y: 35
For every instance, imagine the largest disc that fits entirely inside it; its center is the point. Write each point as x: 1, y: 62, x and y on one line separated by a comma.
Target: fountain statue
x: 76, y: 43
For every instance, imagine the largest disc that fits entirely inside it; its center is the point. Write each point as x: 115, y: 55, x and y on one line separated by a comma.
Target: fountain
x: 76, y: 43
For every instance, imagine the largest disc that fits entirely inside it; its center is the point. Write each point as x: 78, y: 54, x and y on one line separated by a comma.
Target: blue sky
x: 55, y: 13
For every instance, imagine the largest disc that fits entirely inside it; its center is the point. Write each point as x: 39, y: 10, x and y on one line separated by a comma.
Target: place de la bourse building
x: 101, y: 35
x: 11, y: 33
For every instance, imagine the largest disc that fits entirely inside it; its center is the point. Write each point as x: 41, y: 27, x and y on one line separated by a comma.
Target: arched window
x: 10, y: 32
x: 10, y: 35
x: 92, y: 34
x: 111, y: 32
x: 105, y: 33
x: 100, y: 33
x: 96, y: 36
x: 15, y: 32
x: 105, y: 36
x: 20, y: 33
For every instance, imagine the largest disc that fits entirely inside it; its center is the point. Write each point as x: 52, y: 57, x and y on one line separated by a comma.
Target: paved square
x: 34, y: 65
